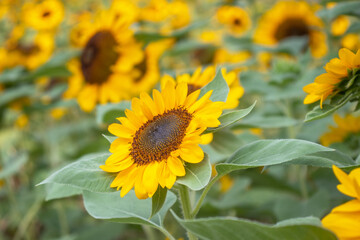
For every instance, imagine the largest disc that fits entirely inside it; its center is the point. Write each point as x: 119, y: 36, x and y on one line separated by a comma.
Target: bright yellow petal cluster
x: 344, y: 220
x: 340, y: 24
x: 172, y: 14
x: 345, y: 126
x: 288, y: 19
x: 200, y: 78
x: 44, y: 15
x: 158, y: 136
x: 336, y: 71
x: 235, y: 18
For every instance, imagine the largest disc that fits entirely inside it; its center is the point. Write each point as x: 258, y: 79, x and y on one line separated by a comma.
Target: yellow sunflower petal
x: 176, y: 167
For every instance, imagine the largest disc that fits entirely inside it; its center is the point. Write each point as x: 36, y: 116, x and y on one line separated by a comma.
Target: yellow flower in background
x: 179, y: 15
x: 344, y: 220
x: 211, y: 36
x: 351, y: 41
x: 345, y: 126
x: 291, y: 19
x: 124, y: 9
x: 235, y: 18
x: 222, y: 55
x: 336, y: 71
x: 155, y: 11
x: 226, y: 182
x: 158, y: 136
x: 22, y: 121
x: 201, y: 78
x: 146, y: 74
x: 31, y: 54
x: 109, y: 52
x: 44, y: 15
x: 58, y: 113
x: 340, y: 24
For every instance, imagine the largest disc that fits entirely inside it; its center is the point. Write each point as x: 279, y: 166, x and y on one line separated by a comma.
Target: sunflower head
x: 291, y: 19
x: 44, y: 15
x: 339, y: 72
x: 109, y: 54
x: 343, y: 220
x: 158, y: 137
x: 235, y: 18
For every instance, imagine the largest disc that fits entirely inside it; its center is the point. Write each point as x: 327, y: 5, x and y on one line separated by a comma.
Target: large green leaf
x: 56, y: 191
x: 197, y: 174
x: 224, y: 228
x: 266, y: 122
x: 12, y: 75
x: 84, y: 174
x: 269, y: 152
x: 219, y: 86
x: 231, y: 117
x: 129, y: 209
x: 325, y: 159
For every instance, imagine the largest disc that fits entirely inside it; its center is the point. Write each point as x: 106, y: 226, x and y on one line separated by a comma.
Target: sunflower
x: 158, y: 136
x: 291, y: 19
x: 109, y: 53
x: 200, y: 79
x: 30, y: 54
x: 235, y: 18
x: 345, y: 127
x: 338, y: 71
x: 344, y: 220
x: 45, y: 15
x: 155, y: 11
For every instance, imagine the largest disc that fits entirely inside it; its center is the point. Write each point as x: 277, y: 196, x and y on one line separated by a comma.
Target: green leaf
x: 231, y: 117
x: 109, y: 138
x: 15, y: 93
x: 197, y: 174
x: 219, y: 86
x: 56, y: 191
x: 13, y: 165
x: 325, y: 159
x: 107, y: 113
x: 129, y: 209
x: 158, y: 200
x: 12, y: 75
x: 266, y: 122
x: 317, y: 205
x: 269, y: 152
x: 224, y: 228
x: 84, y: 174
x: 341, y: 8
x: 327, y: 109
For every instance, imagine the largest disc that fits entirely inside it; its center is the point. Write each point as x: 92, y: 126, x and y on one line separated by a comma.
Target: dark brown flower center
x: 158, y: 137
x: 192, y: 88
x: 292, y: 28
x: 27, y: 50
x: 237, y: 22
x: 141, y: 69
x: 98, y: 56
x: 46, y: 14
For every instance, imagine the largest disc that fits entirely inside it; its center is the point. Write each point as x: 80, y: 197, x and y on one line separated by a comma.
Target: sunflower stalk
x: 186, y: 207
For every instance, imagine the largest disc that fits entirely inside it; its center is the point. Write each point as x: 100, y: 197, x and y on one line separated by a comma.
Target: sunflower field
x: 179, y: 119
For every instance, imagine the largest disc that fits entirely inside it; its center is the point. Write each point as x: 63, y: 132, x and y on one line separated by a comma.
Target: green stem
x: 203, y: 195
x: 64, y: 228
x: 26, y: 221
x: 302, y: 180
x: 150, y: 235
x: 166, y: 233
x: 186, y: 207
